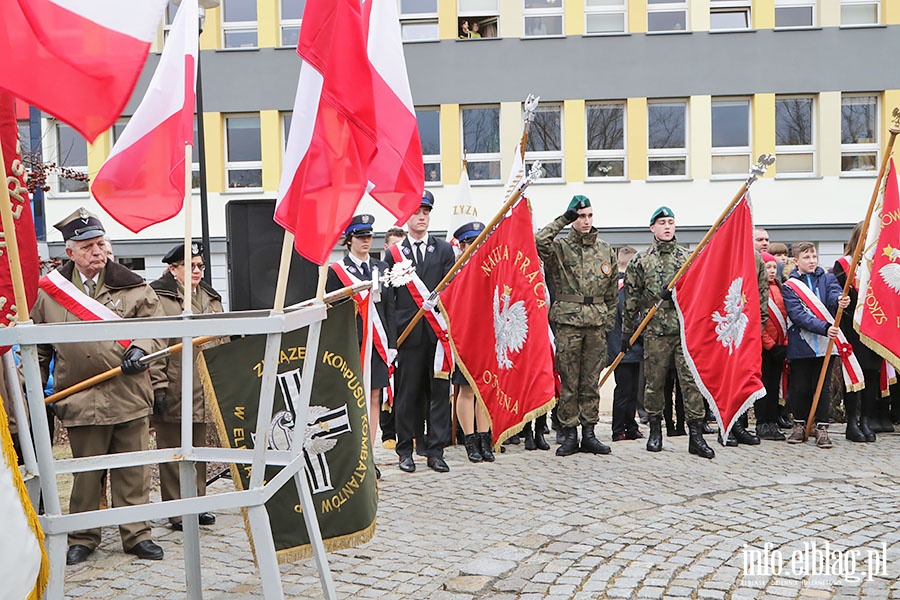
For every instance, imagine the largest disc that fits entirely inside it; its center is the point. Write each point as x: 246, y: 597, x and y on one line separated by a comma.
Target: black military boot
x: 696, y: 444
x: 569, y: 445
x: 472, y: 450
x: 654, y: 440
x: 529, y: 437
x: 851, y: 405
x: 589, y: 442
x: 540, y: 425
x: 485, y: 445
x: 730, y: 441
x: 743, y: 436
x: 882, y: 414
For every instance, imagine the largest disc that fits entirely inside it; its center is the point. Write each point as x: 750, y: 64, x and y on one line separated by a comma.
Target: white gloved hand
x: 391, y: 355
x: 430, y: 302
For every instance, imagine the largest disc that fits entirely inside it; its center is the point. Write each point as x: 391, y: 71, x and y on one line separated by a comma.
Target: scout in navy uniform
x: 358, y: 265
x: 422, y: 394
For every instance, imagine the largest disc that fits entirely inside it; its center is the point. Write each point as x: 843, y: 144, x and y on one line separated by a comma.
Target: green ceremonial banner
x: 339, y: 465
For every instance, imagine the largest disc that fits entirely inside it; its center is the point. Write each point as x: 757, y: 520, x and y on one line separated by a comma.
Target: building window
x: 795, y: 13
x: 243, y: 152
x: 729, y: 14
x: 118, y: 128
x: 24, y: 127
x: 239, y: 24
x: 291, y: 17
x: 545, y: 142
x: 286, y: 126
x: 860, y: 12
x: 169, y: 18
x: 71, y: 155
x: 605, y: 141
x: 667, y: 139
x: 794, y: 140
x: 859, y: 134
x: 605, y: 16
x: 478, y: 18
x: 730, y: 137
x: 429, y: 121
x: 481, y: 142
x: 418, y: 20
x: 543, y: 18
x: 666, y: 15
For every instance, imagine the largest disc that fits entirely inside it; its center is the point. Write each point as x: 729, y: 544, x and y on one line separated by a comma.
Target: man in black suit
x: 422, y: 389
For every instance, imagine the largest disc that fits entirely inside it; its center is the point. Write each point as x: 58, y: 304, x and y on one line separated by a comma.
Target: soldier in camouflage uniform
x: 581, y: 272
x: 646, y: 281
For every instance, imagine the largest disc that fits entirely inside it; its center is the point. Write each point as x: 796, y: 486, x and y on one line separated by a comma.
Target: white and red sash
x: 887, y: 379
x: 844, y: 261
x: 75, y: 301
x: 443, y: 355
x: 853, y: 375
x: 778, y: 318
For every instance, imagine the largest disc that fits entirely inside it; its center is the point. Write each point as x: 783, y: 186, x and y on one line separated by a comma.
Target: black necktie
x: 364, y: 267
x: 420, y: 258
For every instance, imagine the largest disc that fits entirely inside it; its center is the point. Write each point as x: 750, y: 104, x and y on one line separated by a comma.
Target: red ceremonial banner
x: 14, y: 176
x: 718, y: 306
x: 497, y: 315
x: 878, y: 318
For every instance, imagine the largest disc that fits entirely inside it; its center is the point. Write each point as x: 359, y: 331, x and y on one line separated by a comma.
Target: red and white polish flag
x: 76, y: 60
x: 332, y: 138
x: 397, y: 173
x: 142, y: 181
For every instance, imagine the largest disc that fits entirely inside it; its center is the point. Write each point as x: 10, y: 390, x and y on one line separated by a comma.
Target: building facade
x: 643, y: 103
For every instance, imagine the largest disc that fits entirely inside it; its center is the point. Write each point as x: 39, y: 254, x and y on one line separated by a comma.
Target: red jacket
x: 771, y: 335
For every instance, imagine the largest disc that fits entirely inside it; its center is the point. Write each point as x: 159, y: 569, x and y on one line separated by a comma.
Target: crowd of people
x: 598, y: 296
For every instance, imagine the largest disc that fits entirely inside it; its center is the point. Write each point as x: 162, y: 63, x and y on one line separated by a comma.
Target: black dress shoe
x: 619, y: 437
x: 634, y: 435
x: 146, y: 550
x: 436, y: 463
x: 207, y: 518
x: 407, y: 464
x: 77, y: 554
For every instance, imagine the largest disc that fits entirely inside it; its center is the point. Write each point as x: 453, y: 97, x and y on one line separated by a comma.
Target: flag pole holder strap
x: 57, y: 526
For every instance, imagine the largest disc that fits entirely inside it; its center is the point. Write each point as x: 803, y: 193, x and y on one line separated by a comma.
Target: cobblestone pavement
x: 531, y: 525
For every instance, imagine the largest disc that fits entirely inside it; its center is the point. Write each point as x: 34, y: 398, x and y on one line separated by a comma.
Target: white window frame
x: 479, y: 14
x: 607, y: 154
x: 55, y: 155
x: 732, y: 151
x: 433, y: 159
x: 241, y: 165
x: 238, y: 27
x: 669, y: 7
x: 285, y: 128
x: 742, y: 7
x: 554, y: 11
x: 866, y: 147
x: 670, y: 153
x: 482, y: 157
x: 622, y: 9
x: 285, y: 24
x: 418, y: 18
x: 876, y: 3
x: 811, y: 4
x: 785, y: 149
x: 550, y: 156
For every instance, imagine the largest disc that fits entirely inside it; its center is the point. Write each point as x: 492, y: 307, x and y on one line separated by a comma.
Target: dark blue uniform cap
x: 176, y: 254
x: 427, y: 199
x: 469, y: 231
x: 360, y: 225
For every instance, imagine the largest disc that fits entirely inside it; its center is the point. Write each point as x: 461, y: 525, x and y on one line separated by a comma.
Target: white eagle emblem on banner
x: 890, y: 273
x: 510, y: 326
x: 731, y: 326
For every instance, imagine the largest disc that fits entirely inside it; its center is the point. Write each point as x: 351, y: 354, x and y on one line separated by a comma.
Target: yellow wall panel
x: 511, y: 20
x: 510, y: 135
x: 764, y: 128
x: 700, y: 137
x: 213, y: 131
x: 636, y: 128
x: 763, y: 16
x: 97, y: 153
x: 698, y: 15
x: 574, y: 19
x: 211, y: 37
x: 451, y: 153
x: 637, y: 16
x: 272, y: 148
x: 829, y: 13
x: 575, y: 140
x: 267, y: 24
x: 447, y: 25
x: 828, y: 128
x: 890, y: 11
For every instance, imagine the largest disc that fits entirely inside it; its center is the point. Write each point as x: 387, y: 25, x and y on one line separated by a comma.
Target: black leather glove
x: 626, y: 343
x: 159, y: 403
x: 779, y: 353
x: 665, y: 294
x: 571, y: 215
x: 131, y: 361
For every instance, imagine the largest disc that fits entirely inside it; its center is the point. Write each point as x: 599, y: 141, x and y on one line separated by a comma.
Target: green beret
x: 659, y: 213
x: 579, y: 202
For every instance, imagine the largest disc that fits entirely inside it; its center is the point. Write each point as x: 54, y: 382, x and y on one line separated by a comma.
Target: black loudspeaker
x: 254, y: 254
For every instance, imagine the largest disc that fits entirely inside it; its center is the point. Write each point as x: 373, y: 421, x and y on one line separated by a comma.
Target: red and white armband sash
x: 75, y: 301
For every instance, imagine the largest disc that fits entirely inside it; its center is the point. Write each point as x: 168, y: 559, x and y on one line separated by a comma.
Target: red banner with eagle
x: 718, y: 305
x: 497, y: 316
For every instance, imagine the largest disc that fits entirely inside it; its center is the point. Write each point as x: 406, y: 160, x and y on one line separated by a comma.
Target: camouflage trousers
x: 580, y: 356
x: 661, y: 353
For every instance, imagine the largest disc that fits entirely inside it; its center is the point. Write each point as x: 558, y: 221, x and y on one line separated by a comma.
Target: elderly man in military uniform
x: 646, y: 282
x: 170, y: 288
x: 112, y: 416
x: 583, y: 280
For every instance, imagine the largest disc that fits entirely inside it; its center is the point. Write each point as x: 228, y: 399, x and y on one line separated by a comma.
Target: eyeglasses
x: 198, y: 267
